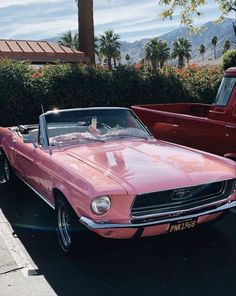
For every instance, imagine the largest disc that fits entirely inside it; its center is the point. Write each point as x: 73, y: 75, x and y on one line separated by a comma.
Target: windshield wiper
x: 94, y: 139
x: 130, y: 136
x: 82, y: 140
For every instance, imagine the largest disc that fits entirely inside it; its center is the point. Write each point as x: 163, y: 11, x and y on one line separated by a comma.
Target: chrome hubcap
x: 64, y: 226
x: 6, y: 169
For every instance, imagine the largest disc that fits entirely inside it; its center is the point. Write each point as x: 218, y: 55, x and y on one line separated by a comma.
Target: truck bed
x: 199, y: 110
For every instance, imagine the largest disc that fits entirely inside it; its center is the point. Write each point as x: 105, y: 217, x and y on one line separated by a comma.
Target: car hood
x: 142, y: 166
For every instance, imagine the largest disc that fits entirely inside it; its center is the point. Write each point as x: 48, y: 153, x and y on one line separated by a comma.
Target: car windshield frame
x: 90, y: 125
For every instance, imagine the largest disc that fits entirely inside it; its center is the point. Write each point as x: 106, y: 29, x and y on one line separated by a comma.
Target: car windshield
x: 92, y: 125
x: 225, y: 90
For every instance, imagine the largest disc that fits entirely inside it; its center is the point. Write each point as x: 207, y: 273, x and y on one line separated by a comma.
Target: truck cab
x: 211, y: 128
x: 225, y: 102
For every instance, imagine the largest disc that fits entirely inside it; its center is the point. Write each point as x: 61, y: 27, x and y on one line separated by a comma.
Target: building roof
x: 39, y: 52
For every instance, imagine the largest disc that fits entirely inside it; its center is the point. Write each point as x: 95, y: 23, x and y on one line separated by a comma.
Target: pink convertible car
x: 102, y: 170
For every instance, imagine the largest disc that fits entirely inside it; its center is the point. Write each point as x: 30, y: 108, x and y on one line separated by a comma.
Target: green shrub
x: 201, y: 83
x: 14, y: 91
x: 229, y: 59
x: 23, y: 90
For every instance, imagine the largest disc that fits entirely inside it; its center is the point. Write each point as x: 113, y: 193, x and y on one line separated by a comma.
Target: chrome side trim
x: 35, y: 191
x: 105, y: 224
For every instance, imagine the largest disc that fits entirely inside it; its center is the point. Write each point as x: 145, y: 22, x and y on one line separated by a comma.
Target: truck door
x: 223, y: 113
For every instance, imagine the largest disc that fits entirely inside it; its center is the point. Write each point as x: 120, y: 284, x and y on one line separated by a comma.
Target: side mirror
x: 29, y: 139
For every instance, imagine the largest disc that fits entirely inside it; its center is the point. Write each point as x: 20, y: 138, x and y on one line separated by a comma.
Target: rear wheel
x: 9, y: 175
x: 71, y: 234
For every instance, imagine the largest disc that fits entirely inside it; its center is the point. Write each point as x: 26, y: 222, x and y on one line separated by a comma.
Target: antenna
x: 42, y: 108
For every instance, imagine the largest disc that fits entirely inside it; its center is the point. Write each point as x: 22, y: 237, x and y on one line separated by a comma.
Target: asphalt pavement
x: 199, y: 262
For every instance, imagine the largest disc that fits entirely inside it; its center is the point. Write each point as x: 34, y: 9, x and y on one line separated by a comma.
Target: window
x: 225, y: 90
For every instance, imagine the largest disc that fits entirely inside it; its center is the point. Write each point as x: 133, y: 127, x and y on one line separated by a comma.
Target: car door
x: 25, y: 155
x: 45, y: 174
x: 32, y: 163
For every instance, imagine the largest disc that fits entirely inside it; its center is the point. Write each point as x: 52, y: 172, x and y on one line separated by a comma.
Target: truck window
x: 225, y: 90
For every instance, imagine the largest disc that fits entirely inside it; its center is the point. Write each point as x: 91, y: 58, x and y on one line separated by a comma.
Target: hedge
x: 23, y: 90
x: 229, y: 59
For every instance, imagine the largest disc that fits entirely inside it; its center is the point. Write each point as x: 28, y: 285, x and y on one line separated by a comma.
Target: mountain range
x: 223, y: 30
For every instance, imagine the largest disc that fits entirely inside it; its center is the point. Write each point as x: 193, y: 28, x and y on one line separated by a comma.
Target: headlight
x: 101, y: 205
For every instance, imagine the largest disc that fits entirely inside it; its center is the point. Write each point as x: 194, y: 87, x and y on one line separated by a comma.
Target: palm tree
x: 234, y: 28
x: 181, y: 50
x: 110, y: 46
x: 116, y: 56
x: 127, y: 58
x: 96, y: 46
x: 86, y: 28
x: 214, y: 43
x: 202, y: 50
x: 157, y: 53
x: 69, y: 40
x: 226, y: 46
x: 164, y: 53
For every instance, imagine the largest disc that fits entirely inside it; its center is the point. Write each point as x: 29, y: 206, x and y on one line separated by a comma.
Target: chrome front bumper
x: 106, y: 224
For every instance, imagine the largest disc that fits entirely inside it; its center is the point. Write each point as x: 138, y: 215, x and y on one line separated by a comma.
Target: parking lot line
x: 15, y: 247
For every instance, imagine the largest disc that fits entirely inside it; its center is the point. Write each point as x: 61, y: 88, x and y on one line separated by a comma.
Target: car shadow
x: 198, y: 262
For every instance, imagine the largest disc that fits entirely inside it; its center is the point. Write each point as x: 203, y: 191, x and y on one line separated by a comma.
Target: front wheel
x: 71, y: 234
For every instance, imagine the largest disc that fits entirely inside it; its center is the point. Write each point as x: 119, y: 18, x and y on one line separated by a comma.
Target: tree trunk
x: 154, y: 64
x: 109, y: 63
x: 181, y: 62
x: 86, y: 29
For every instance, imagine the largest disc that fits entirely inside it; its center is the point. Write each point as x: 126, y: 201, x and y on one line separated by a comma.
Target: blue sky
x: 132, y: 19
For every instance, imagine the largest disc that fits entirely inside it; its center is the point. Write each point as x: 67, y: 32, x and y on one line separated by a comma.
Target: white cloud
x: 131, y: 11
x: 7, y: 3
x: 42, y: 29
x: 132, y: 19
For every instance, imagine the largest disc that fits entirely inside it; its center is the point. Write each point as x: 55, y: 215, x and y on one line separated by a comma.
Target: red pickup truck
x: 206, y: 127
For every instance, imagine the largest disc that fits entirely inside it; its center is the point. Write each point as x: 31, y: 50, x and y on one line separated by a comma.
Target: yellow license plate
x: 182, y: 225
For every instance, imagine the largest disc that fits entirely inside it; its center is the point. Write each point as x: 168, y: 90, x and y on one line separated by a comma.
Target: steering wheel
x: 108, y: 127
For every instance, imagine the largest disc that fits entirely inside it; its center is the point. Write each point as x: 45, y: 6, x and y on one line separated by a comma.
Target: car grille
x: 180, y: 199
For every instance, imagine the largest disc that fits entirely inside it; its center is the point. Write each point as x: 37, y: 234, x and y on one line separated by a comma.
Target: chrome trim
x: 105, y: 224
x: 187, y: 186
x: 88, y: 108
x: 187, y: 210
x: 182, y: 194
x: 230, y: 126
x: 35, y: 191
x: 43, y: 131
x: 177, y: 211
